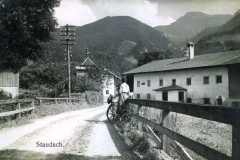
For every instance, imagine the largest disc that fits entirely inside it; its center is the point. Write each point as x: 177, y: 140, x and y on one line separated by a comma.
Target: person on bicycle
x: 124, y: 91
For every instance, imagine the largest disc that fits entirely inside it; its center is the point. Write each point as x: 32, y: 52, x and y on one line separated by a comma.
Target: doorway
x: 181, y: 96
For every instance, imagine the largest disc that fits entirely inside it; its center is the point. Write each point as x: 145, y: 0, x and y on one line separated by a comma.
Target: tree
x: 150, y: 56
x: 91, y: 81
x: 24, y: 25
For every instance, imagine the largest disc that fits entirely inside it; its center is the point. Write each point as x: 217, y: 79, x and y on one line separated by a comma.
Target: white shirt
x: 124, y: 88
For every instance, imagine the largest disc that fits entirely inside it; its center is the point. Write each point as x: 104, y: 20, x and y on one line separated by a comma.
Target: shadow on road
x: 124, y: 150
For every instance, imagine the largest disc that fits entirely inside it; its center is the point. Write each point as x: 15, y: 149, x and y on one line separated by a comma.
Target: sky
x: 151, y: 12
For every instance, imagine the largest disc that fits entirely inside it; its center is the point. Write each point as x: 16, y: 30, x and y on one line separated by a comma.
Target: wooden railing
x: 227, y: 115
x: 15, y: 107
x: 57, y: 100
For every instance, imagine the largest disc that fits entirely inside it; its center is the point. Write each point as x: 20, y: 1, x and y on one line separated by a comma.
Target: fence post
x: 33, y: 104
x: 19, y: 108
x: 140, y: 125
x: 236, y: 141
x: 164, y: 123
x: 40, y: 102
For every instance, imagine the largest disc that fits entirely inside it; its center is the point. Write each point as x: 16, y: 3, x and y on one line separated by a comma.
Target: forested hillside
x: 189, y: 25
x: 223, y: 38
x: 115, y: 42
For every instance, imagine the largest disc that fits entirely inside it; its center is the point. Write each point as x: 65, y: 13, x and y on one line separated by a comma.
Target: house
x: 109, y: 79
x: 109, y: 83
x: 9, y: 83
x: 206, y: 79
x: 86, y: 65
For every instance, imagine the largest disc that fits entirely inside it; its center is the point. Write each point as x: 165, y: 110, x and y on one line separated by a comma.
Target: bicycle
x: 115, y: 114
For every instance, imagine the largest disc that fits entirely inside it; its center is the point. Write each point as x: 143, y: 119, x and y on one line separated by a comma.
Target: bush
x: 5, y: 95
x: 153, y: 154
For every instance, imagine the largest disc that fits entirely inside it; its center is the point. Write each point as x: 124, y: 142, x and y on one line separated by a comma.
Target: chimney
x: 190, y: 49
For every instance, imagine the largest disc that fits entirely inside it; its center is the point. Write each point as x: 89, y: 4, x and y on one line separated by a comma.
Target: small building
x: 206, y: 79
x: 173, y: 93
x: 109, y: 79
x: 9, y: 83
x: 86, y: 65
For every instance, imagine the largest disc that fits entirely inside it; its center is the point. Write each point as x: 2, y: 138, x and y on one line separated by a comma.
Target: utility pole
x: 68, y: 36
x: 87, y: 52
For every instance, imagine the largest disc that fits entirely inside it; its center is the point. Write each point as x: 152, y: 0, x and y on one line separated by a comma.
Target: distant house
x: 9, y: 83
x: 205, y: 79
x: 85, y: 65
x: 109, y: 79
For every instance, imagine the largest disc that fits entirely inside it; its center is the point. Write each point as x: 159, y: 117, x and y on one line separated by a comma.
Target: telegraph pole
x: 68, y: 36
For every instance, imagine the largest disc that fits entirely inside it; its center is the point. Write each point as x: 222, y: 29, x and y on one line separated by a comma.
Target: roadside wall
x: 212, y: 134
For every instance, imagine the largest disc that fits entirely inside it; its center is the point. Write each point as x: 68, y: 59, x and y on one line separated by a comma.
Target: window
x: 206, y: 80
x: 189, y: 100
x: 173, y: 81
x: 165, y: 96
x: 138, y: 96
x: 189, y: 81
x: 107, y: 91
x: 161, y: 82
x: 148, y: 83
x: 218, y: 79
x: 138, y: 83
x: 206, y: 101
x: 148, y: 96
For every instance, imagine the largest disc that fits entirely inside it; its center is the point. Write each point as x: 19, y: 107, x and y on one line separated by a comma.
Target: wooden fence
x: 15, y: 107
x: 42, y: 100
x: 227, y: 115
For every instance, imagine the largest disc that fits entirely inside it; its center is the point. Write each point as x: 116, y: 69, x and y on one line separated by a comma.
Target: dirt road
x: 83, y: 134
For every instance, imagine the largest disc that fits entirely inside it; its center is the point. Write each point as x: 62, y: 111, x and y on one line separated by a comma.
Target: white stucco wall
x: 173, y: 96
x: 108, y: 84
x: 9, y: 82
x: 197, y: 90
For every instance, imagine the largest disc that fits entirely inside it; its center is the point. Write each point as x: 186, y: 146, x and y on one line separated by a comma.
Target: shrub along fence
x: 226, y: 115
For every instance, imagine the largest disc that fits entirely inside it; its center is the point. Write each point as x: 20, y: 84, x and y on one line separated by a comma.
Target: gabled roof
x: 171, y: 88
x: 88, y: 62
x: 205, y: 60
x: 107, y: 71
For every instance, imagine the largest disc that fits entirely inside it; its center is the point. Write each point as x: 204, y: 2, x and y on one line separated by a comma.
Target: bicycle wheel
x: 111, y: 113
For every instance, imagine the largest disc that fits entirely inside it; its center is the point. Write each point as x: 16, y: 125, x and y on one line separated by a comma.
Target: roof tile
x: 205, y: 60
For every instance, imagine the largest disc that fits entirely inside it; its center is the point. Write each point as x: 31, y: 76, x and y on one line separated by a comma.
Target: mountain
x: 115, y: 42
x: 189, y: 25
x: 222, y: 38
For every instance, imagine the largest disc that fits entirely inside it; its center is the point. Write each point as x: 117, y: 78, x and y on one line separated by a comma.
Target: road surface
x: 83, y: 134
